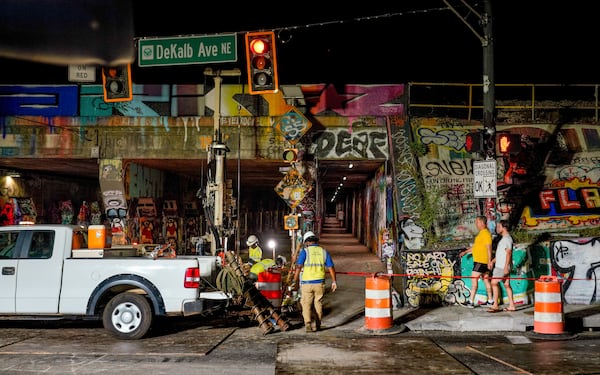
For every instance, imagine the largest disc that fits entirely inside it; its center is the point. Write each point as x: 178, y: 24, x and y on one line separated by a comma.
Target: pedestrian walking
x: 482, y: 257
x: 340, y: 217
x: 254, y: 249
x: 312, y: 262
x: 502, y: 264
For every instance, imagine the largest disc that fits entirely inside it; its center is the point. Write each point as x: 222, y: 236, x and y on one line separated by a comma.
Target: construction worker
x: 254, y: 250
x: 261, y: 266
x: 312, y: 262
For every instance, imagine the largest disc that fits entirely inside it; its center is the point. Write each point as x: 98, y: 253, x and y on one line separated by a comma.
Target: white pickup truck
x: 49, y: 273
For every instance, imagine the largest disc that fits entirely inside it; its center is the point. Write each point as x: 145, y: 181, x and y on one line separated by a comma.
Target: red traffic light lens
x: 474, y: 142
x: 259, y: 46
x: 469, y: 143
x: 259, y: 62
x: 112, y: 72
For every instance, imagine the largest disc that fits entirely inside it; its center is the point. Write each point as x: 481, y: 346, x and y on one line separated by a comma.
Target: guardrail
x: 513, y: 102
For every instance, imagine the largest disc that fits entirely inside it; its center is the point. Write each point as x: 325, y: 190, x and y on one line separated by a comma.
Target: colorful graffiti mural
x: 550, y: 184
x: 440, y: 278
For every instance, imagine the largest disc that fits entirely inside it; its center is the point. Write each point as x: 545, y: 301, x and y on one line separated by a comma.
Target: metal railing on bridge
x: 513, y: 102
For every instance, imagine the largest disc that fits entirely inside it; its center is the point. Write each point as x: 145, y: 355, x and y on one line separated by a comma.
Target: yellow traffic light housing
x: 261, y: 60
x: 116, y: 81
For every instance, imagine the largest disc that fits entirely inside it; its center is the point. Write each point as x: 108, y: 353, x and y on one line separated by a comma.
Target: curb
x: 383, y: 332
x: 552, y: 336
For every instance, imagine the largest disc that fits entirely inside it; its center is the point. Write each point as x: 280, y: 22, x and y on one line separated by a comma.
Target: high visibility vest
x: 255, y: 253
x: 262, y: 266
x: 314, y: 264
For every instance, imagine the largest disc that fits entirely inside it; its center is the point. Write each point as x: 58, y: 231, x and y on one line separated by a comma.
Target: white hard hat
x: 308, y: 235
x: 252, y: 239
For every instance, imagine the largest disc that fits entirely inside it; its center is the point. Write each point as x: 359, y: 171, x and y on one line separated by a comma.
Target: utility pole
x: 489, y: 87
x: 489, y: 83
x: 215, y: 187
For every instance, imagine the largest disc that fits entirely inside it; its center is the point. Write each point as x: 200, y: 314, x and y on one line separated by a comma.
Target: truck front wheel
x: 127, y: 316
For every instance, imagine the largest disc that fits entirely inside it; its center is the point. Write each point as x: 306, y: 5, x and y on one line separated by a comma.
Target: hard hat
x: 308, y: 235
x: 280, y: 261
x: 252, y: 239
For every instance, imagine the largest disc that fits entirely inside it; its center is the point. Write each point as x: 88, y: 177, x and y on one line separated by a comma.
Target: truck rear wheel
x: 128, y: 316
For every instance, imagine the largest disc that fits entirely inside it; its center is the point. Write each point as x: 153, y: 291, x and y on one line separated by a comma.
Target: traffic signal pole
x: 489, y: 83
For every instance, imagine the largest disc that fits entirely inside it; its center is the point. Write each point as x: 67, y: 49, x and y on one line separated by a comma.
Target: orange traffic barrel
x: 269, y: 285
x: 378, y: 303
x: 548, y: 315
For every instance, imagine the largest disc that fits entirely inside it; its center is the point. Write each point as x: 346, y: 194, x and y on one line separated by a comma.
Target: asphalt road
x: 237, y: 345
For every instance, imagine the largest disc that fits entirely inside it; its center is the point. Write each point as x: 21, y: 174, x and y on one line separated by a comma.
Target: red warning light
x: 259, y: 46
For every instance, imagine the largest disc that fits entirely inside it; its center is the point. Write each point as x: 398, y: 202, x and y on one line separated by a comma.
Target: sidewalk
x: 345, y: 308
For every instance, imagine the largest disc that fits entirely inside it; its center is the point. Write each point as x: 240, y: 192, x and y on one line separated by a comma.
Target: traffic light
x: 474, y: 142
x: 262, y: 62
x: 290, y: 155
x: 509, y: 143
x: 117, y: 83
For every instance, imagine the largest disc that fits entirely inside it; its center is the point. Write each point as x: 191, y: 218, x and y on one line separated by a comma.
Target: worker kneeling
x: 259, y: 267
x: 268, y: 280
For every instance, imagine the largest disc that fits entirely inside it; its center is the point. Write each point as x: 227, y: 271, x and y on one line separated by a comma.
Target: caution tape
x: 427, y: 276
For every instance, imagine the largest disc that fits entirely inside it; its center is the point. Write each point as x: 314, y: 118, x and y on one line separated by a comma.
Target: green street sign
x: 187, y: 50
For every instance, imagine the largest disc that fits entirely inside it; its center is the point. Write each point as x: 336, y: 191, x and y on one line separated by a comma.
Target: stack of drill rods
x: 233, y: 262
x: 263, y: 321
x: 261, y: 307
x: 256, y: 299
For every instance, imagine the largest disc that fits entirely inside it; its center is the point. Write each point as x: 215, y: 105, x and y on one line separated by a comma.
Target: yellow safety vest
x: 262, y: 266
x: 314, y: 264
x: 255, y: 253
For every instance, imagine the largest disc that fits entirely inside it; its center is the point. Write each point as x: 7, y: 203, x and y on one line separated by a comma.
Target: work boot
x: 308, y: 327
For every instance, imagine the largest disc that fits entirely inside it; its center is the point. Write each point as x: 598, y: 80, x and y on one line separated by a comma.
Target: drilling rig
x: 217, y: 194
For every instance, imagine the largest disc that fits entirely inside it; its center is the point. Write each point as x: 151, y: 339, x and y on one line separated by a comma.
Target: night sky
x: 392, y: 42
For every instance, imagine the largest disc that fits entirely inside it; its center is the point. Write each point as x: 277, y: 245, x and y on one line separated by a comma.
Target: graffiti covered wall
x: 551, y: 184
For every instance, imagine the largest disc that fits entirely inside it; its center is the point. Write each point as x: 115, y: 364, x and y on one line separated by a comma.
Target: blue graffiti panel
x: 38, y: 100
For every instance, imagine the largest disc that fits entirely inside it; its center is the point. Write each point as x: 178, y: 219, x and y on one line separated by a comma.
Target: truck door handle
x: 8, y: 270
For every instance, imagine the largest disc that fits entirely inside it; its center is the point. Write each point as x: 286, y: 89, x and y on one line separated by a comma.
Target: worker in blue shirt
x: 312, y: 262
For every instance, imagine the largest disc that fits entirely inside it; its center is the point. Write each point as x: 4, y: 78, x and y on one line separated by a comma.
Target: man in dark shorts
x: 482, y: 257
